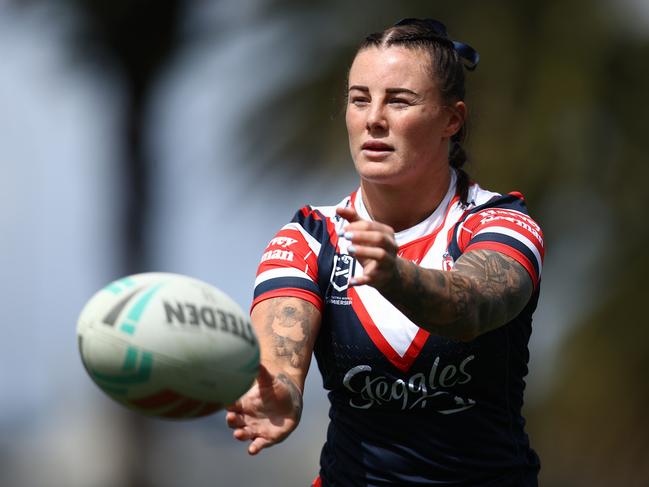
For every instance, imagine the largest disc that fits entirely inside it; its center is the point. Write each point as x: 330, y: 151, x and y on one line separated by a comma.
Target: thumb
x: 258, y: 444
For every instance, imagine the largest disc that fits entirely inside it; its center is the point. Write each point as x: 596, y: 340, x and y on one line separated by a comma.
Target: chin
x: 382, y: 177
x: 377, y: 172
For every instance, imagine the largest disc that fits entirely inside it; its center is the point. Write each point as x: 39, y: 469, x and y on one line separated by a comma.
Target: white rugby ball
x: 168, y: 345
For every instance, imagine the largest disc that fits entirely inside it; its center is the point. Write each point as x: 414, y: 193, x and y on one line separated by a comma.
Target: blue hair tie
x: 469, y: 56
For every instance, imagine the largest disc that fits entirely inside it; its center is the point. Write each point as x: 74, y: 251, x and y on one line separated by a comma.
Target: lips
x: 376, y: 146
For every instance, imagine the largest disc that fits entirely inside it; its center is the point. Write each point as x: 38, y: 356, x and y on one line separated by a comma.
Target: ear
x: 457, y: 116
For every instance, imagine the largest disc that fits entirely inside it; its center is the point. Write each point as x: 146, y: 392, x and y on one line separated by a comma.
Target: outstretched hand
x: 267, y: 413
x: 373, y: 244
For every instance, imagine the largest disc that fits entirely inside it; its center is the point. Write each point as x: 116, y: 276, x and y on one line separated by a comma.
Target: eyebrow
x: 387, y: 90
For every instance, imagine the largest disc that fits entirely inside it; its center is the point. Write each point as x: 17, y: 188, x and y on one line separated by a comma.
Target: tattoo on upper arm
x: 290, y: 325
x: 486, y: 289
x: 503, y: 285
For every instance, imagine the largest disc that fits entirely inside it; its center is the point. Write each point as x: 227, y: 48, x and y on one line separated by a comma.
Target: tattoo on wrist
x: 294, y: 391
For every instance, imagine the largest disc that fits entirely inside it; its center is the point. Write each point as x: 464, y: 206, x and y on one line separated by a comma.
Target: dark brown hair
x: 446, y: 67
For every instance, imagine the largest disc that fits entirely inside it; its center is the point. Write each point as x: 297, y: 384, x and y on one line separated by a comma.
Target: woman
x: 415, y: 292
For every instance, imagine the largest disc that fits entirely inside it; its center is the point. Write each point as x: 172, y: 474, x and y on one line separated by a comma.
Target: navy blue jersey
x: 408, y: 407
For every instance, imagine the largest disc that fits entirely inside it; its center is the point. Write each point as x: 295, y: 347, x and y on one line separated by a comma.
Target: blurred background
x: 179, y: 135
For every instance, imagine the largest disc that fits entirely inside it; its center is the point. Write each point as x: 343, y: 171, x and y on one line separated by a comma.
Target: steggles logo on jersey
x: 419, y: 391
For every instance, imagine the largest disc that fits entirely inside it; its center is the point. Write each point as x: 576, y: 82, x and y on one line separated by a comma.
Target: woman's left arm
x: 485, y: 289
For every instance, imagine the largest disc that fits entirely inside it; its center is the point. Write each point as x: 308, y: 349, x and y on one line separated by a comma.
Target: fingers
x: 237, y: 422
x: 236, y: 407
x: 371, y: 239
x: 366, y: 225
x: 352, y: 216
x: 259, y: 444
x: 364, y: 232
x: 243, y: 434
x: 374, y: 245
x: 371, y: 245
x: 363, y: 253
x: 234, y: 420
x: 348, y: 214
x: 243, y: 430
x: 360, y: 280
x: 247, y: 433
x: 260, y: 416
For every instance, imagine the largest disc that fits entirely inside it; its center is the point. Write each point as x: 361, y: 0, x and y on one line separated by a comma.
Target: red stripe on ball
x: 163, y: 398
x: 182, y: 409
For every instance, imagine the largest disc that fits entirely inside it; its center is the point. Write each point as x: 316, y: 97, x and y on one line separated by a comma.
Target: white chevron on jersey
x: 397, y: 330
x: 435, y: 255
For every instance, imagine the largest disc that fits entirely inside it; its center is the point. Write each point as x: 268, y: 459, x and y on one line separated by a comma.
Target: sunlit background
x: 180, y: 135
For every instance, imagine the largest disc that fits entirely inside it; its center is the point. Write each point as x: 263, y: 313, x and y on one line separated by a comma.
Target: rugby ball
x: 167, y: 345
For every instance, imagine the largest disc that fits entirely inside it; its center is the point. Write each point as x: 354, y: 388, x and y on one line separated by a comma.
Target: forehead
x: 392, y: 67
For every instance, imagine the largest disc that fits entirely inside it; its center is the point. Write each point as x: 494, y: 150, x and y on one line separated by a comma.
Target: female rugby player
x: 415, y: 292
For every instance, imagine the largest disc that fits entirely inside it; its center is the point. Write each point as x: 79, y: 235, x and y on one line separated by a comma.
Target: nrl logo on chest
x: 342, y: 271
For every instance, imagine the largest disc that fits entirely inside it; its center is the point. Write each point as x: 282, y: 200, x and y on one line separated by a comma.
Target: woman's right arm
x: 286, y: 328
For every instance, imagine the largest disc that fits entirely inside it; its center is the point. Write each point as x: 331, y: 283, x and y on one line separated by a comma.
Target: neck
x: 404, y: 207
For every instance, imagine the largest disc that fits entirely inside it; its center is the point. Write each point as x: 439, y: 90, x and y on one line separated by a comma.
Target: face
x: 398, y: 125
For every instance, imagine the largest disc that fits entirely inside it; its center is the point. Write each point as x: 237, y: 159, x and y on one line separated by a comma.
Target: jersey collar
x: 426, y: 226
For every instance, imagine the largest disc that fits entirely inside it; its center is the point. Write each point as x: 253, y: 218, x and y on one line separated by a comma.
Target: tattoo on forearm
x: 486, y: 289
x: 294, y: 391
x: 290, y: 326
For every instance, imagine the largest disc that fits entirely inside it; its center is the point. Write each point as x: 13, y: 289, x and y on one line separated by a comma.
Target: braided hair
x: 448, y: 60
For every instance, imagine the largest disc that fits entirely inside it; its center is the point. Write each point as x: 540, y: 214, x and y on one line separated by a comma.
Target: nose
x: 376, y: 121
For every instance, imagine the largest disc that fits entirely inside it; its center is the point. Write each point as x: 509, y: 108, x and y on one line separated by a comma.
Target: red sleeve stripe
x: 509, y: 242
x: 534, y: 247
x: 288, y: 292
x: 514, y: 230
x: 307, y: 264
x: 505, y: 217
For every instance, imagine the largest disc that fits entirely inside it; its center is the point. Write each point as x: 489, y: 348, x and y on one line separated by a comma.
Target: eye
x: 398, y: 102
x: 359, y: 101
